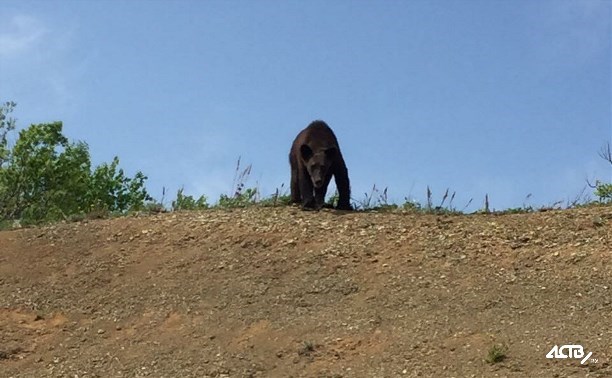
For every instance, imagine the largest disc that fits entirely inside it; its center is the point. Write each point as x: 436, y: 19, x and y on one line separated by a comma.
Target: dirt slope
x: 276, y: 292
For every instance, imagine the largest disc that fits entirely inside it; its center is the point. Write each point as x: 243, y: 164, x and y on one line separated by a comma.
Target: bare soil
x: 277, y: 292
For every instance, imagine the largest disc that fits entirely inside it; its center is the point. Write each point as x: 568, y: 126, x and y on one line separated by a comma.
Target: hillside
x: 277, y: 292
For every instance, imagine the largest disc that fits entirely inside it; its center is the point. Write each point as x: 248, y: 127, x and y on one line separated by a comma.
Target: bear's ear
x: 331, y: 152
x: 306, y: 152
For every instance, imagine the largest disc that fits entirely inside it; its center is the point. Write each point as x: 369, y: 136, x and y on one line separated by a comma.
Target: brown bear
x: 314, y: 157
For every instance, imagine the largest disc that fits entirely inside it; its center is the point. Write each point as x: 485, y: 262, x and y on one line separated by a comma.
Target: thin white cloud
x: 19, y: 35
x: 39, y: 66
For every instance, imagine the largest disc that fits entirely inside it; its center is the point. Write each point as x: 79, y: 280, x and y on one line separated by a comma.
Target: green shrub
x: 45, y: 177
x: 184, y: 202
x: 603, y: 191
x: 242, y: 198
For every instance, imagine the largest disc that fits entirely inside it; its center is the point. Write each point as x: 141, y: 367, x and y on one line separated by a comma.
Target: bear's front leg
x: 320, y: 197
x: 306, y: 189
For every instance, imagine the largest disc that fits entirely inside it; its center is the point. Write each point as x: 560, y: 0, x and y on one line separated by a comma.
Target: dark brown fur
x: 315, y: 157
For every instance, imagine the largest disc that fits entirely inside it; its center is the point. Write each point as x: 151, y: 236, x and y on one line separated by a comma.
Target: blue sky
x: 508, y: 98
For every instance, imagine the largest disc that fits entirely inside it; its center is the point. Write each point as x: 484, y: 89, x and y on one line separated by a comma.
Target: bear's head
x: 318, y: 163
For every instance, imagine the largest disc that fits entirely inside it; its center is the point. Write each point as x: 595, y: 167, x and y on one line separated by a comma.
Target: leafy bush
x: 242, y: 198
x: 111, y: 190
x: 7, y: 124
x: 45, y: 177
x: 277, y: 199
x: 603, y: 191
x: 184, y: 202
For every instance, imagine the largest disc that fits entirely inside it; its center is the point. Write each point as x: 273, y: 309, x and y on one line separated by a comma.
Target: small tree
x: 604, y: 190
x: 111, y: 190
x: 7, y: 124
x: 45, y: 177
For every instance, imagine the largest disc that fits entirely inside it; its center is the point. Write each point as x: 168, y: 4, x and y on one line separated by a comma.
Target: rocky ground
x: 277, y: 292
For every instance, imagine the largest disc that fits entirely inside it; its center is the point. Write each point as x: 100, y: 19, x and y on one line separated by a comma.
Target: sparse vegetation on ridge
x: 46, y: 178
